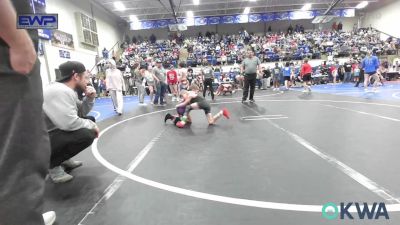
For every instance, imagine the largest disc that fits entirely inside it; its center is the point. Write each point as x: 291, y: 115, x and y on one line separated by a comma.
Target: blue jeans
x: 161, y: 88
x: 347, y: 77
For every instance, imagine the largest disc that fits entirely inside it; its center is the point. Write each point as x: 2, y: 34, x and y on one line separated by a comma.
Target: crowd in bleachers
x: 271, y: 47
x: 226, y: 52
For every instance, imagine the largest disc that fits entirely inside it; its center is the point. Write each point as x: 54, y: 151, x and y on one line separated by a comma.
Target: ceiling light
x: 306, y: 7
x: 196, y: 2
x: 252, y: 0
x: 189, y: 14
x: 362, y: 4
x: 246, y: 10
x: 119, y: 6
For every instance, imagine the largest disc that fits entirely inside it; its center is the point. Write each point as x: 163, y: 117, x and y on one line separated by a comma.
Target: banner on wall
x: 301, y: 15
x: 64, y: 54
x: 238, y: 19
x: 213, y: 20
x: 199, y: 21
x: 62, y: 40
x: 255, y: 18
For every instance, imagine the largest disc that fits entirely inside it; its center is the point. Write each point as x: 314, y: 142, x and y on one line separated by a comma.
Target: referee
x: 250, y: 66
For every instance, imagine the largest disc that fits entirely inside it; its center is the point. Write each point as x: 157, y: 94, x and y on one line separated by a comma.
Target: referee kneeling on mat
x: 250, y: 67
x: 70, y: 130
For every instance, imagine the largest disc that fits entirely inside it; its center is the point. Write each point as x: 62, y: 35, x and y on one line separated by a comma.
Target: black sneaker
x: 168, y: 117
x: 243, y: 101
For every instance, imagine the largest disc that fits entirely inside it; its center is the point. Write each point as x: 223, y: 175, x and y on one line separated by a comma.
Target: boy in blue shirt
x: 370, y: 64
x: 287, y: 74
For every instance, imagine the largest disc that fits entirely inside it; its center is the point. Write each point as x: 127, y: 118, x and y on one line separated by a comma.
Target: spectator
x: 115, y: 86
x: 105, y: 53
x: 287, y: 74
x: 347, y: 71
x: 266, y: 78
x: 334, y: 72
x: 161, y: 85
x: 276, y: 77
x: 190, y: 75
x: 69, y: 127
x: 334, y: 26
x: 172, y: 79
x: 340, y: 26
x: 150, y: 79
x: 370, y: 65
x: 95, y: 84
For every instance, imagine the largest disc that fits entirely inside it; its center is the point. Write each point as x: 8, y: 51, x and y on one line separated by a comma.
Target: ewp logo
x: 37, y: 21
x: 331, y: 211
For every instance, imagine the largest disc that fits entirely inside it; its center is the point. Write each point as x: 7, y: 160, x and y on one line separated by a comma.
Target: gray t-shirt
x: 276, y: 72
x: 250, y: 65
x: 207, y: 72
x: 160, y: 74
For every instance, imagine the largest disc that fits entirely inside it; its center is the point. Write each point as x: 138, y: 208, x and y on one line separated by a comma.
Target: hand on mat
x: 97, y: 131
x: 22, y: 53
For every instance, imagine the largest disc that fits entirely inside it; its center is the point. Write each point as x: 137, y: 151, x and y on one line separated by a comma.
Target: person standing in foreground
x: 249, y: 68
x: 370, y: 64
x: 115, y: 85
x: 25, y: 146
x: 161, y: 84
x: 305, y: 72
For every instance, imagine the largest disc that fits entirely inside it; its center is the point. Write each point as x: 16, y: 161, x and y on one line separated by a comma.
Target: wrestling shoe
x: 168, y: 117
x: 225, y: 113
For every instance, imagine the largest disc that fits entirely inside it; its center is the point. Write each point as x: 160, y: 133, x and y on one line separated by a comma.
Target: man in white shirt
x: 115, y: 85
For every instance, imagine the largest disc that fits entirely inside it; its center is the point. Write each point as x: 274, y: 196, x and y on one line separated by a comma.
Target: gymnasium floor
x: 274, y: 162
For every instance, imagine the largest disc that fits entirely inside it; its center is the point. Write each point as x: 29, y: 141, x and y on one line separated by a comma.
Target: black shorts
x: 204, y: 105
x: 371, y: 73
x: 287, y: 78
x: 307, y: 77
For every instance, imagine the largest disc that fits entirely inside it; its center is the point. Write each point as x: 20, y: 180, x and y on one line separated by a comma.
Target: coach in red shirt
x: 306, y: 71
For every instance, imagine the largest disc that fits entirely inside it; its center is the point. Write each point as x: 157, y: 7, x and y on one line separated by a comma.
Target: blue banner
x: 255, y: 18
x: 162, y: 23
x: 199, y: 21
x: 282, y: 16
x: 237, y: 19
x: 241, y: 18
x: 228, y: 20
x: 267, y: 17
x: 213, y: 20
x: 301, y: 15
x: 150, y: 24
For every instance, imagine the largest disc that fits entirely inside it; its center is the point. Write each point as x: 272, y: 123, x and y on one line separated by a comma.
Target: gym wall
x: 109, y: 32
x: 385, y: 18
